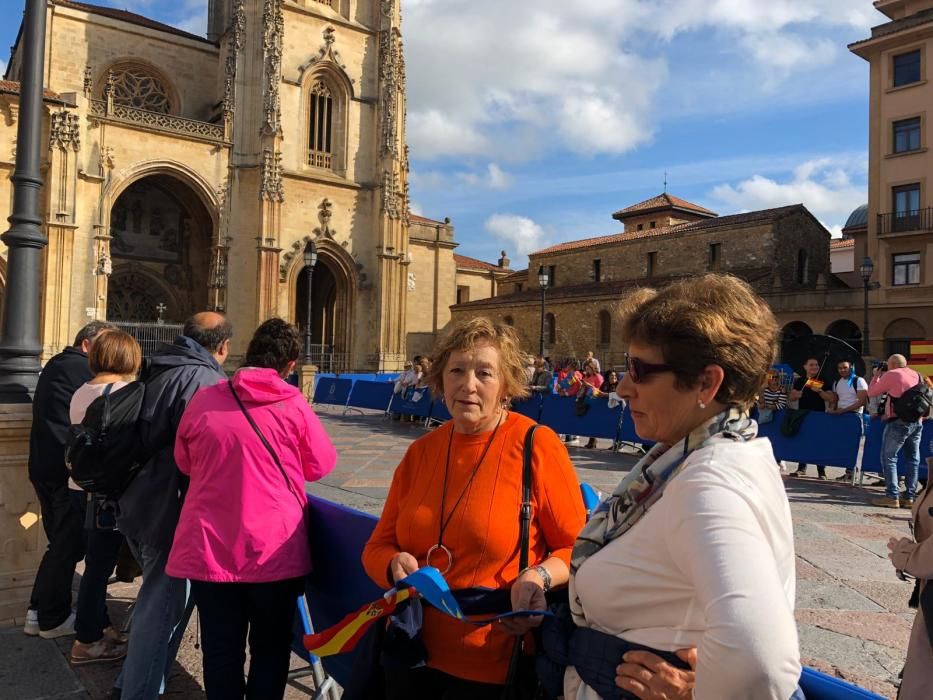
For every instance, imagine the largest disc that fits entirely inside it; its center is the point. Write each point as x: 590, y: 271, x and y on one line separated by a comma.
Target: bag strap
x: 524, y: 517
x: 262, y: 438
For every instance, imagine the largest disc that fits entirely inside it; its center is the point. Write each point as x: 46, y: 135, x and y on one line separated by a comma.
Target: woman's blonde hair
x: 467, y: 335
x: 712, y: 319
x: 115, y: 352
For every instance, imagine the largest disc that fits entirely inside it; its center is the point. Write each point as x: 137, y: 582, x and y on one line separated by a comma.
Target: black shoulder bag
x: 522, y: 681
x: 275, y: 458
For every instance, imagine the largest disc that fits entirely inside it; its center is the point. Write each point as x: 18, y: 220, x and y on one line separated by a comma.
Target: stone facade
x: 185, y: 173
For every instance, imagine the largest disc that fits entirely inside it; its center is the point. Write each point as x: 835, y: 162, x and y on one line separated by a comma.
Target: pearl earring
x: 701, y: 404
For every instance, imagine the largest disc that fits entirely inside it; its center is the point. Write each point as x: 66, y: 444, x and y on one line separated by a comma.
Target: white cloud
x: 498, y: 178
x: 831, y: 188
x: 512, y: 80
x: 416, y: 209
x: 521, y: 233
x: 2, y: 67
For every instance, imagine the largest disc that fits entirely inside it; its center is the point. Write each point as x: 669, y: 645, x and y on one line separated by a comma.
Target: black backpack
x: 106, y: 451
x: 915, y: 403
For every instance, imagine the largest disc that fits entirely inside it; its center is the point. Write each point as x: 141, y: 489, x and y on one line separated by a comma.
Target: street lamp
x: 866, y: 269
x: 310, y: 256
x: 543, y: 280
x: 19, y: 338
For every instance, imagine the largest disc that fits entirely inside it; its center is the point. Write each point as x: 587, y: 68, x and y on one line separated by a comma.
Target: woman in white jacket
x: 710, y: 566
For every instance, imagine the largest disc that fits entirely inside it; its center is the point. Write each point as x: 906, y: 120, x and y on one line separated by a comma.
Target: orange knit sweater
x: 483, y: 532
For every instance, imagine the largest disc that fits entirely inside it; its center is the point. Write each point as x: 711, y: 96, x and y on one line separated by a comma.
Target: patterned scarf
x: 645, y: 484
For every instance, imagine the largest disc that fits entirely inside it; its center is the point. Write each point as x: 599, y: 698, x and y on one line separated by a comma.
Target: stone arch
x: 334, y: 286
x: 846, y: 330
x: 142, y: 72
x: 899, y: 333
x: 162, y: 219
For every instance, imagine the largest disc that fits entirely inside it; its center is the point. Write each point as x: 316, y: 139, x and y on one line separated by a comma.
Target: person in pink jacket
x: 242, y: 538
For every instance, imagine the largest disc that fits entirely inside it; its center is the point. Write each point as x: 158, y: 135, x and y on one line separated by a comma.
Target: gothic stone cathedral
x: 186, y: 173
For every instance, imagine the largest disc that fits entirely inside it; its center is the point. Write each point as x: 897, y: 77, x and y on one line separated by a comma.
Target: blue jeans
x: 160, y: 616
x: 898, y: 435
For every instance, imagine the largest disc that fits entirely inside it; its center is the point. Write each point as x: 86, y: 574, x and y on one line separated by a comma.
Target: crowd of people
x: 680, y: 584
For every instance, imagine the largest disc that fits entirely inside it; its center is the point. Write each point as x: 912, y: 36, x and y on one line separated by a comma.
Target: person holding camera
x: 114, y: 359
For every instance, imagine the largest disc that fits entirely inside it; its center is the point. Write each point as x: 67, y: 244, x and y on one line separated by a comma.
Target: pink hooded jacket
x: 240, y: 521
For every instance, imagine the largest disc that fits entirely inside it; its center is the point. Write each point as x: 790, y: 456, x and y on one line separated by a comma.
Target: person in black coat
x: 149, y: 507
x: 49, y: 613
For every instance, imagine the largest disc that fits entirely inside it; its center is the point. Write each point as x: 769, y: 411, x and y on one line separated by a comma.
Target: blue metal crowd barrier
x: 332, y: 392
x: 530, y: 407
x: 338, y: 585
x: 822, y: 439
x: 370, y: 394
x: 439, y: 411
x: 560, y: 414
x: 871, y: 459
x: 420, y: 408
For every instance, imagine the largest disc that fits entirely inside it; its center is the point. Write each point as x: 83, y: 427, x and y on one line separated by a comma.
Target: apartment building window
x: 550, y: 330
x: 653, y: 224
x: 905, y: 268
x: 641, y: 227
x: 652, y: 264
x: 907, y: 68
x: 597, y: 270
x: 552, y: 276
x: 605, y: 327
x: 509, y: 321
x: 906, y: 199
x: 518, y: 287
x: 463, y: 294
x: 714, y: 252
x: 907, y: 135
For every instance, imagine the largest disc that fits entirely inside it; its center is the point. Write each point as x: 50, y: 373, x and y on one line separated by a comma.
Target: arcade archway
x: 160, y: 249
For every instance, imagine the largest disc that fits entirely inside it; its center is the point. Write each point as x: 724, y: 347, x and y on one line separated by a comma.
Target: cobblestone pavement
x: 852, y: 611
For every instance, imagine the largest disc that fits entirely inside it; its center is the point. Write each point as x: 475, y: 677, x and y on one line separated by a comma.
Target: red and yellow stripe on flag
x: 921, y: 357
x: 343, y: 636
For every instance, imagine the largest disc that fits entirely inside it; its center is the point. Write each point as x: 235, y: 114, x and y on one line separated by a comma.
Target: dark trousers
x: 63, y: 522
x: 430, y: 684
x: 100, y: 558
x: 234, y: 613
x: 820, y: 469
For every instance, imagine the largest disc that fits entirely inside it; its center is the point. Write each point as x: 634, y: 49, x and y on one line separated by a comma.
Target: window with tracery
x: 320, y: 126
x: 134, y: 86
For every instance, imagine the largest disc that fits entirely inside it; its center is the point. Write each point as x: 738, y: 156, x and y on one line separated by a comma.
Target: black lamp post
x: 543, y: 280
x: 310, y: 256
x: 19, y: 339
x: 866, y: 269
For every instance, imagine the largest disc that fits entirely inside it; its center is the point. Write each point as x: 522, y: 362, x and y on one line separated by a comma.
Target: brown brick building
x: 784, y: 253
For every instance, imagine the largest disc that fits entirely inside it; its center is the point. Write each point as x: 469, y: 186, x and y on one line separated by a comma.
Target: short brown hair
x: 467, y: 335
x: 116, y: 352
x: 712, y: 319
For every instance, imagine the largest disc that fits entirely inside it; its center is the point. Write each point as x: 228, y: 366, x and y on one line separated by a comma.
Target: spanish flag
x: 814, y: 385
x: 343, y: 636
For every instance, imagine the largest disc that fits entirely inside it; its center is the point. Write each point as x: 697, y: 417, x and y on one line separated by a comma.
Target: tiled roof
x: 662, y: 201
x: 474, y: 264
x: 424, y: 220
x: 751, y: 217
x: 11, y: 87
x: 842, y: 243
x: 130, y: 17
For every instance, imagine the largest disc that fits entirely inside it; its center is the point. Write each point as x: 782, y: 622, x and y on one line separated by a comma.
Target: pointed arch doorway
x: 331, y: 311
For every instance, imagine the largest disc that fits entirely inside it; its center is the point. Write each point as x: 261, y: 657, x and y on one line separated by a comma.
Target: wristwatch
x: 543, y: 573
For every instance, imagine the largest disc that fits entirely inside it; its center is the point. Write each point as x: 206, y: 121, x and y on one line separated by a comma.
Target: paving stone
x: 886, y: 689
x: 892, y: 596
x: 832, y: 595
x: 843, y: 558
x: 852, y: 655
x: 807, y: 572
x: 883, y: 628
x: 34, y: 669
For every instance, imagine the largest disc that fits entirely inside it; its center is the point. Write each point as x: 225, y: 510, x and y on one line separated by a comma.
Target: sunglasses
x: 638, y: 369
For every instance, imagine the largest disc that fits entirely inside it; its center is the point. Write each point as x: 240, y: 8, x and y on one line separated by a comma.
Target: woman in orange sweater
x: 454, y: 504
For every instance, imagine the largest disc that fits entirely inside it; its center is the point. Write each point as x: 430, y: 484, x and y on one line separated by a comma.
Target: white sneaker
x: 31, y: 627
x: 65, y: 629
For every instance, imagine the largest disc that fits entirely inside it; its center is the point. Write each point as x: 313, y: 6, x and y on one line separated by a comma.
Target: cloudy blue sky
x: 531, y: 121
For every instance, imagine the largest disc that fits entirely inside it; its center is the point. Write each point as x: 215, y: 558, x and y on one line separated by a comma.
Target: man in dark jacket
x: 49, y: 613
x: 150, y: 506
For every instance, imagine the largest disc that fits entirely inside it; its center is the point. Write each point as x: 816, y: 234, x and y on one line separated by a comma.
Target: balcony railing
x: 168, y: 123
x: 902, y: 221
x: 320, y: 159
